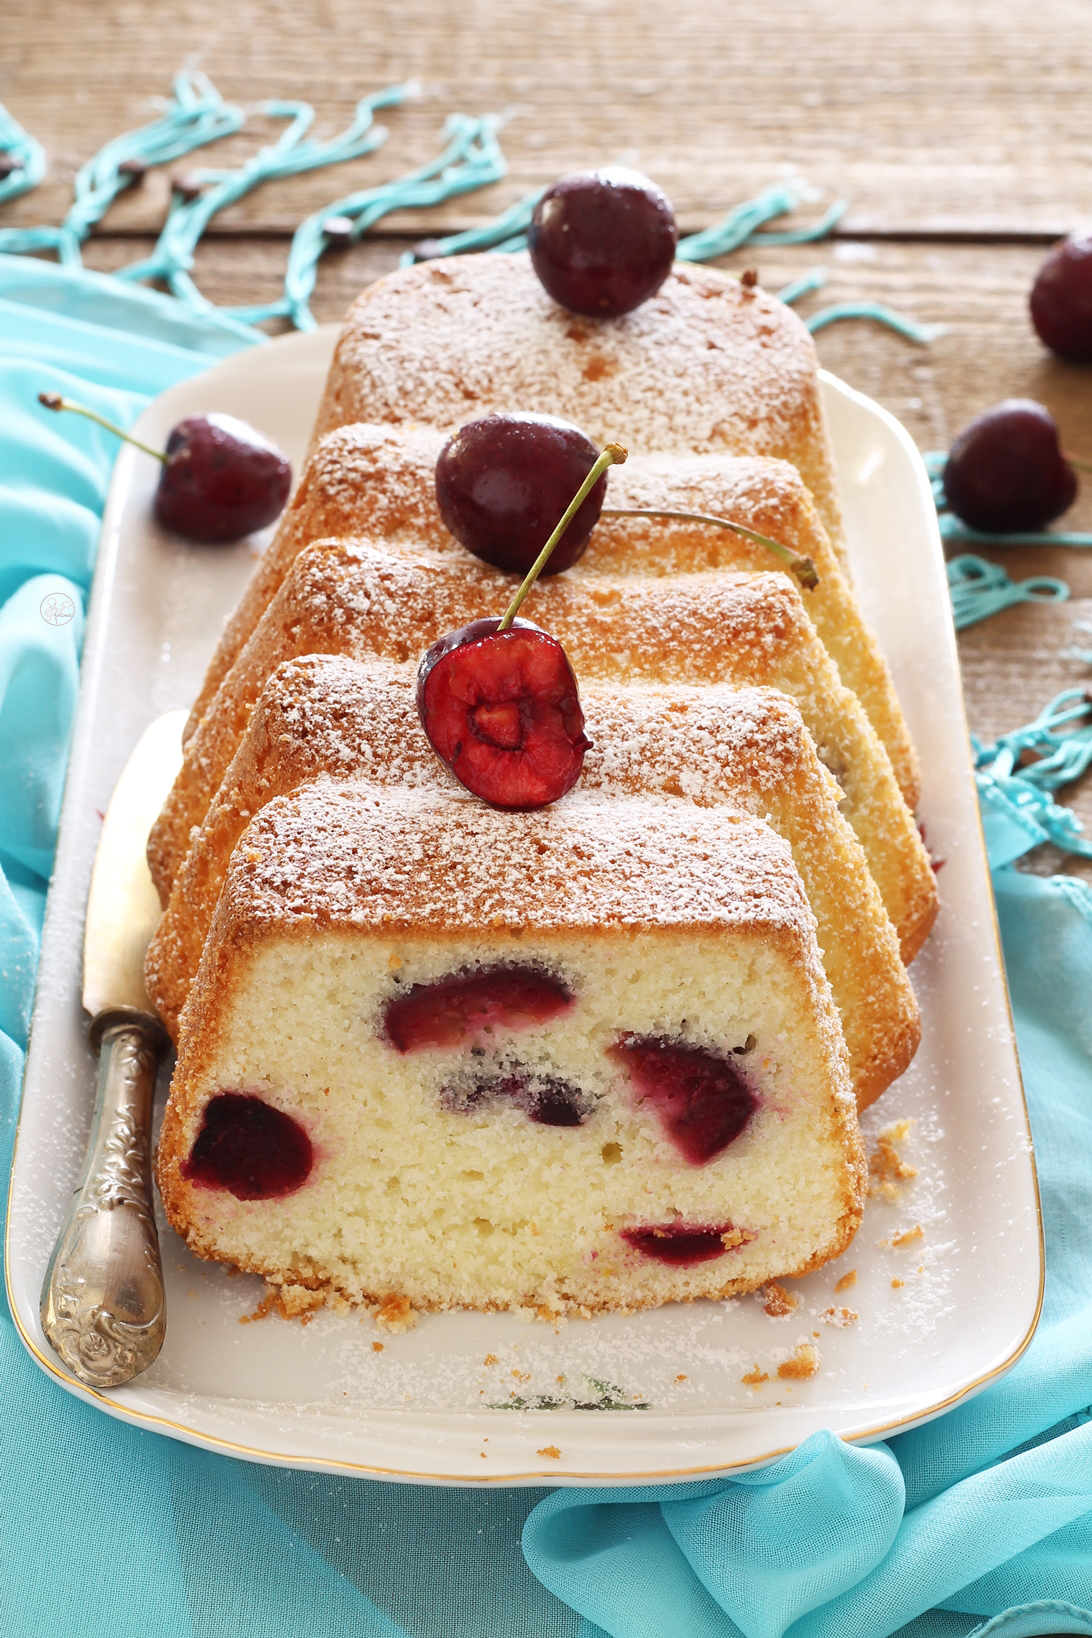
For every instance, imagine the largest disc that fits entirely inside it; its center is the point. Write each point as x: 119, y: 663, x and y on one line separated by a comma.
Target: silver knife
x: 102, y: 1306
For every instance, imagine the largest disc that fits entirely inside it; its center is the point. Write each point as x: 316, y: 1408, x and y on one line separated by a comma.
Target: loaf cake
x: 371, y: 601
x: 746, y: 749
x: 579, y: 1059
x: 706, y: 366
x: 377, y: 482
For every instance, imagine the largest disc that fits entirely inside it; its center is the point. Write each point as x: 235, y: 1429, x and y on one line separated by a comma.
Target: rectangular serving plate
x: 464, y: 1397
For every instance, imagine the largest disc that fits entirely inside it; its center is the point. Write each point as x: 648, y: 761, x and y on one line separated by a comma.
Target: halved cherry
x: 459, y: 1007
x: 502, y: 711
x: 701, y: 1098
x: 680, y: 1244
x: 246, y: 1146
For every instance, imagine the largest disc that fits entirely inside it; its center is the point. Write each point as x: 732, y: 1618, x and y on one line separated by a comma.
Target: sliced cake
x: 744, y: 749
x: 584, y: 1058
x: 370, y: 601
x: 377, y: 482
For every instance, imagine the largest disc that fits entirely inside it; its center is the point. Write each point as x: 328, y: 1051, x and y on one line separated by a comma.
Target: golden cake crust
x: 706, y: 365
x: 370, y: 601
x: 328, y: 715
x: 378, y: 482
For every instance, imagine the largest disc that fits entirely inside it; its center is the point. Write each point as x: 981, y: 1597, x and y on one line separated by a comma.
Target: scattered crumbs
x: 551, y: 1451
x: 755, y: 1377
x: 264, y: 1308
x: 377, y: 1347
x: 846, y: 1281
x: 921, y: 1268
x: 777, y: 1301
x: 886, y: 1165
x: 396, y: 1314
x: 491, y: 1359
x: 481, y: 1453
x: 522, y: 1376
x: 681, y: 1377
x: 897, y: 1285
x: 191, y: 1293
x: 802, y: 1364
x: 840, y: 1318
x: 898, y: 1241
x: 560, y: 1379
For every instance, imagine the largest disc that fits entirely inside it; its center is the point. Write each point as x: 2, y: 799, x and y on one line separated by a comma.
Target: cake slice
x: 746, y: 750
x: 579, y: 1059
x: 706, y: 366
x: 369, y: 601
x: 378, y: 482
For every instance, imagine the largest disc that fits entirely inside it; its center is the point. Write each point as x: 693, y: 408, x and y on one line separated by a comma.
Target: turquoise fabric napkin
x: 979, y: 1523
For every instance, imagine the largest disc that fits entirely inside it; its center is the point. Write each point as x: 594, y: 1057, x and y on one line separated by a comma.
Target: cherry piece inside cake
x: 582, y: 1059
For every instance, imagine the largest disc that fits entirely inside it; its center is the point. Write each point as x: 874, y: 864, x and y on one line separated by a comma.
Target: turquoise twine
x: 187, y: 220
x: 1060, y: 743
x: 955, y: 532
x: 979, y: 589
x: 472, y: 159
x: 27, y: 153
x: 196, y: 115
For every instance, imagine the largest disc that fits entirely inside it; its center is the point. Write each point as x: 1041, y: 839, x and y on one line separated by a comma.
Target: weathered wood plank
x: 932, y: 118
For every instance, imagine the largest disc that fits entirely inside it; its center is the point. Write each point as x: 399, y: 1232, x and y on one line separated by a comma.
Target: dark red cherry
x: 602, y: 242
x: 246, y: 1146
x: 458, y: 1008
x: 222, y: 480
x: 1005, y: 471
x: 679, y: 1243
x: 1061, y: 298
x: 502, y: 711
x: 545, y: 1099
x: 503, y: 482
x: 701, y: 1098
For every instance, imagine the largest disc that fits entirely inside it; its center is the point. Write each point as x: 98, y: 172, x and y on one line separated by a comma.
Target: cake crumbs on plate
x: 840, y: 1318
x: 898, y: 1241
x: 777, y: 1301
x: 897, y: 1285
x: 846, y: 1281
x: 755, y: 1377
x: 551, y: 1451
x: 802, y: 1364
x: 395, y: 1314
x: 377, y: 1347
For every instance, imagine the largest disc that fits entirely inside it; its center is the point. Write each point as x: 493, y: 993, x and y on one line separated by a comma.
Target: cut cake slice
x: 584, y: 1058
x: 378, y: 482
x: 379, y: 602
x: 746, y: 749
x: 705, y: 366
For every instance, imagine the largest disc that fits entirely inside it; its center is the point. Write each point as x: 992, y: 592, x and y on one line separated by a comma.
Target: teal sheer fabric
x: 979, y: 1523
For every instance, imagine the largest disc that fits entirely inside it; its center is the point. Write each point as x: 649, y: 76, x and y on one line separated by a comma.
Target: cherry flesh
x: 545, y: 1099
x: 459, y: 1008
x: 221, y: 481
x: 503, y: 482
x: 1005, y: 471
x: 246, y: 1146
x: 1061, y: 298
x: 602, y: 242
x: 679, y: 1244
x: 501, y: 710
x: 701, y: 1098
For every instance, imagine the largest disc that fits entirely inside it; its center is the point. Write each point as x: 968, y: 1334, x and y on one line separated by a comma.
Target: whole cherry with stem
x: 498, y: 699
x: 221, y: 478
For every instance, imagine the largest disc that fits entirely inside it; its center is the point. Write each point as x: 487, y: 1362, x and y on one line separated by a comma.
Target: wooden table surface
x: 959, y: 133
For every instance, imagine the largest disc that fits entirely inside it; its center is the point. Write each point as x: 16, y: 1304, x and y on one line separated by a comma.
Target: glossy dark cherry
x: 246, y: 1146
x: 545, y: 1099
x: 1061, y: 298
x: 502, y: 711
x: 1005, y: 471
x: 679, y: 1243
x: 459, y: 1008
x: 702, y: 1099
x: 602, y: 242
x: 503, y: 483
x: 223, y: 480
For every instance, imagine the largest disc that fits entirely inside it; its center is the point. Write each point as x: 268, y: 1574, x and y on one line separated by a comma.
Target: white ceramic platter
x: 439, y: 1402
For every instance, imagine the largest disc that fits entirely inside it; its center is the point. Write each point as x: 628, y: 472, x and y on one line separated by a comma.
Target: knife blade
x: 102, y: 1303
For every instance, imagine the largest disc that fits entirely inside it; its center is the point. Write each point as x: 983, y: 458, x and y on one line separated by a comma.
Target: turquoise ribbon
x: 26, y: 152
x: 979, y: 589
x: 1016, y: 775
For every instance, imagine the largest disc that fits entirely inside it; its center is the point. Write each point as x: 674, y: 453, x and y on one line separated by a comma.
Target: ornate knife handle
x: 102, y: 1299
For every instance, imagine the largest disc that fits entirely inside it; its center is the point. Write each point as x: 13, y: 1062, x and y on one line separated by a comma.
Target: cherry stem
x: 54, y: 401
x: 1076, y: 462
x: 802, y: 567
x: 612, y: 455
